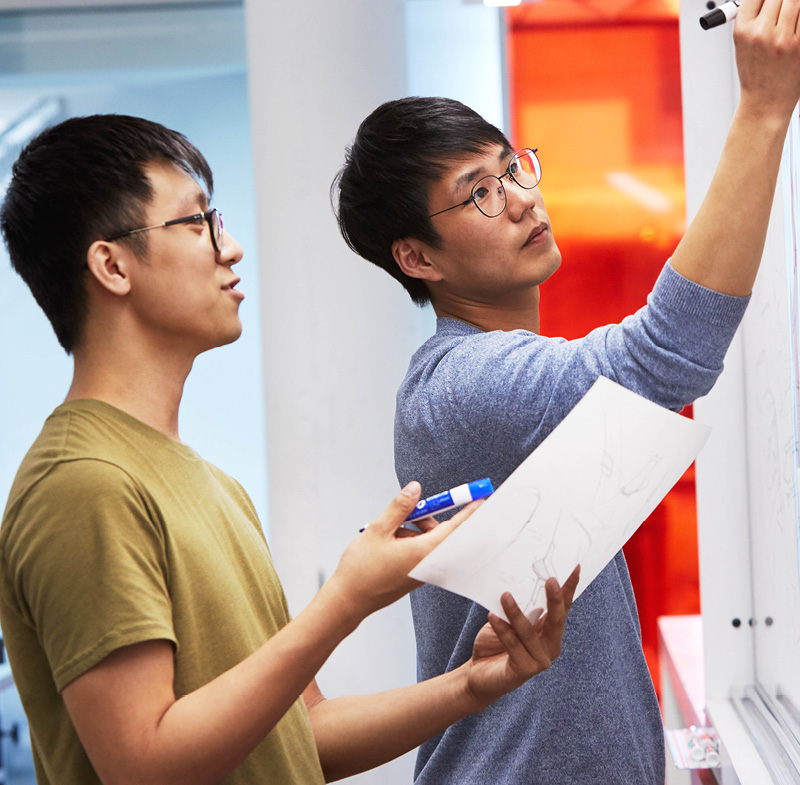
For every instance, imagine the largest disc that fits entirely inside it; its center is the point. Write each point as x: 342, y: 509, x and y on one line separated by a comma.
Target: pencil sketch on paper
x: 539, y: 541
x: 575, y: 500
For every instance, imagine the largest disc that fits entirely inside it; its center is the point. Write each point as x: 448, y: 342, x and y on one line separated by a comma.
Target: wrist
x: 341, y: 604
x: 768, y: 117
x: 464, y: 694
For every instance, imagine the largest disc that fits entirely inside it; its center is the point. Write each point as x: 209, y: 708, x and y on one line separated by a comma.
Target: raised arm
x: 723, y: 245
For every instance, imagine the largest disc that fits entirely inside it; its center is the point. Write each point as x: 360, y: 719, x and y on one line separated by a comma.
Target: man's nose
x: 230, y: 252
x: 519, y: 199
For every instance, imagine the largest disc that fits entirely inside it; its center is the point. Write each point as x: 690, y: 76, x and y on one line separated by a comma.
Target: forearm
x: 210, y: 731
x: 202, y: 737
x: 723, y: 245
x: 357, y: 733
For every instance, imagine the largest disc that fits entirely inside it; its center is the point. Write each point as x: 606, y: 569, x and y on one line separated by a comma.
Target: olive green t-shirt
x: 115, y: 534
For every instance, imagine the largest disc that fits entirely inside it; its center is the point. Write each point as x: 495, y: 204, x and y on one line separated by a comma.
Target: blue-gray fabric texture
x: 475, y: 404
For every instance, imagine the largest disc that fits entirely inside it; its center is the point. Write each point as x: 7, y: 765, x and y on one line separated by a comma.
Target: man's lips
x: 538, y: 234
x: 229, y: 287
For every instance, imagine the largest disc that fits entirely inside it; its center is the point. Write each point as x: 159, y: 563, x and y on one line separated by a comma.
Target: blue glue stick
x: 462, y: 494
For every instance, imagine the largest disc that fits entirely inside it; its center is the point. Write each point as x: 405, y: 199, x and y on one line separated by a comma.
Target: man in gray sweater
x: 438, y: 198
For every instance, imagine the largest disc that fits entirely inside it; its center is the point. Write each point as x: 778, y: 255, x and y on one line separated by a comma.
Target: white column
x: 337, y: 332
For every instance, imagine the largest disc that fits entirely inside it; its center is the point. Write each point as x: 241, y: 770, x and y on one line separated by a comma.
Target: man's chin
x: 551, y: 266
x: 231, y: 336
x: 234, y: 336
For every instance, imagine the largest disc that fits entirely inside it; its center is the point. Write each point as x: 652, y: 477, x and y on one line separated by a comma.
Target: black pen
x: 720, y: 15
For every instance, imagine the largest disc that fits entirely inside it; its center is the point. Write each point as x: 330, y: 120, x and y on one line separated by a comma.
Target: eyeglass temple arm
x: 157, y: 226
x: 135, y: 231
x: 447, y: 209
x: 185, y: 219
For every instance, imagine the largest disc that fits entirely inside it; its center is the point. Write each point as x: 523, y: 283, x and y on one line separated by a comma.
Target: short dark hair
x: 76, y: 182
x: 381, y: 193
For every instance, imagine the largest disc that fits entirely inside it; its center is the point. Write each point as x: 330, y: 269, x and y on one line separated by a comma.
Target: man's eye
x: 480, y: 193
x: 513, y: 167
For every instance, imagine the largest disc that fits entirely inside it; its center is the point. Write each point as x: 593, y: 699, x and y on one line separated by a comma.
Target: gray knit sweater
x: 475, y: 404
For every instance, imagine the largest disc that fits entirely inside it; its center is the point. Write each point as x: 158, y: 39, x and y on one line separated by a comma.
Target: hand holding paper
x: 505, y: 655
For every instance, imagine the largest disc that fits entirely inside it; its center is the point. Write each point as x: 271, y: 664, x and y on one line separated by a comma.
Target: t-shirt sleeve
x: 89, y: 566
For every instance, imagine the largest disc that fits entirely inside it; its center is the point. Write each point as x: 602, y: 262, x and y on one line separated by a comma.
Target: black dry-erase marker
x: 724, y: 13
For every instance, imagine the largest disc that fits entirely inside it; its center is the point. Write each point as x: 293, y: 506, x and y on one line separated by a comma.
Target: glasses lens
x: 525, y: 169
x: 216, y: 228
x: 489, y: 196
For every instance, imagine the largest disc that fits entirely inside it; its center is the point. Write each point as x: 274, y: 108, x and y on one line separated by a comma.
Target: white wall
x: 457, y: 50
x: 338, y: 332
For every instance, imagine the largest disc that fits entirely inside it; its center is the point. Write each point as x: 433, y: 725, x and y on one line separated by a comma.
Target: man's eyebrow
x: 474, y: 174
x: 198, y: 197
x: 466, y: 178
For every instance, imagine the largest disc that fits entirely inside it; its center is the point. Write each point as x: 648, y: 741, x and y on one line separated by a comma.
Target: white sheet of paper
x: 576, y: 499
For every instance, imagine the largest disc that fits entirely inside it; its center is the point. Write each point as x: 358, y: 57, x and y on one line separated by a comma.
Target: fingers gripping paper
x: 576, y: 499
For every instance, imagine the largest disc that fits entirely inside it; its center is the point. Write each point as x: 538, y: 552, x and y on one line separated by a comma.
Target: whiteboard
x: 748, y: 478
x: 770, y: 345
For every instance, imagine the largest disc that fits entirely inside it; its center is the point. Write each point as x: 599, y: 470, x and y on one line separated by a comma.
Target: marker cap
x: 480, y: 489
x: 713, y: 19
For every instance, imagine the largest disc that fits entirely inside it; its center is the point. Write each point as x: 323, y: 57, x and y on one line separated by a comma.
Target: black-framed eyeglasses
x: 212, y: 217
x: 489, y: 193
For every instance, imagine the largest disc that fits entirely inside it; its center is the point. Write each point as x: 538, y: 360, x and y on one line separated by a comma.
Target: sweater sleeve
x: 513, y: 388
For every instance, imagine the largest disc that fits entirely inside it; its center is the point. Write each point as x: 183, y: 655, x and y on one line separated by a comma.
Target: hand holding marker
x: 720, y: 15
x: 461, y: 494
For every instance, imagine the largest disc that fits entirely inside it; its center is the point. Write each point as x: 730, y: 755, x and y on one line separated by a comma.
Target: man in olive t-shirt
x: 95, y: 502
x: 144, y: 623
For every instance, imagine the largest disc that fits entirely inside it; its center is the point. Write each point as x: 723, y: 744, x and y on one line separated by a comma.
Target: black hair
x: 381, y: 193
x: 79, y: 181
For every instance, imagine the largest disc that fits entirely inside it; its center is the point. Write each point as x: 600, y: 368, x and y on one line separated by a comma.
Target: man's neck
x: 521, y: 314
x: 149, y: 387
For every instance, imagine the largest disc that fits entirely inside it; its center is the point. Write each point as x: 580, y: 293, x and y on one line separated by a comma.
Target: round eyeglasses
x: 212, y: 217
x: 489, y: 193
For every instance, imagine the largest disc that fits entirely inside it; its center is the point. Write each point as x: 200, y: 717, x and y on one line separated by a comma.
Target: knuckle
x: 782, y: 46
x: 545, y: 663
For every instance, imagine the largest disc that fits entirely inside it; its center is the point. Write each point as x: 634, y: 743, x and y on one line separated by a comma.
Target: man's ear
x: 108, y: 263
x: 410, y: 255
